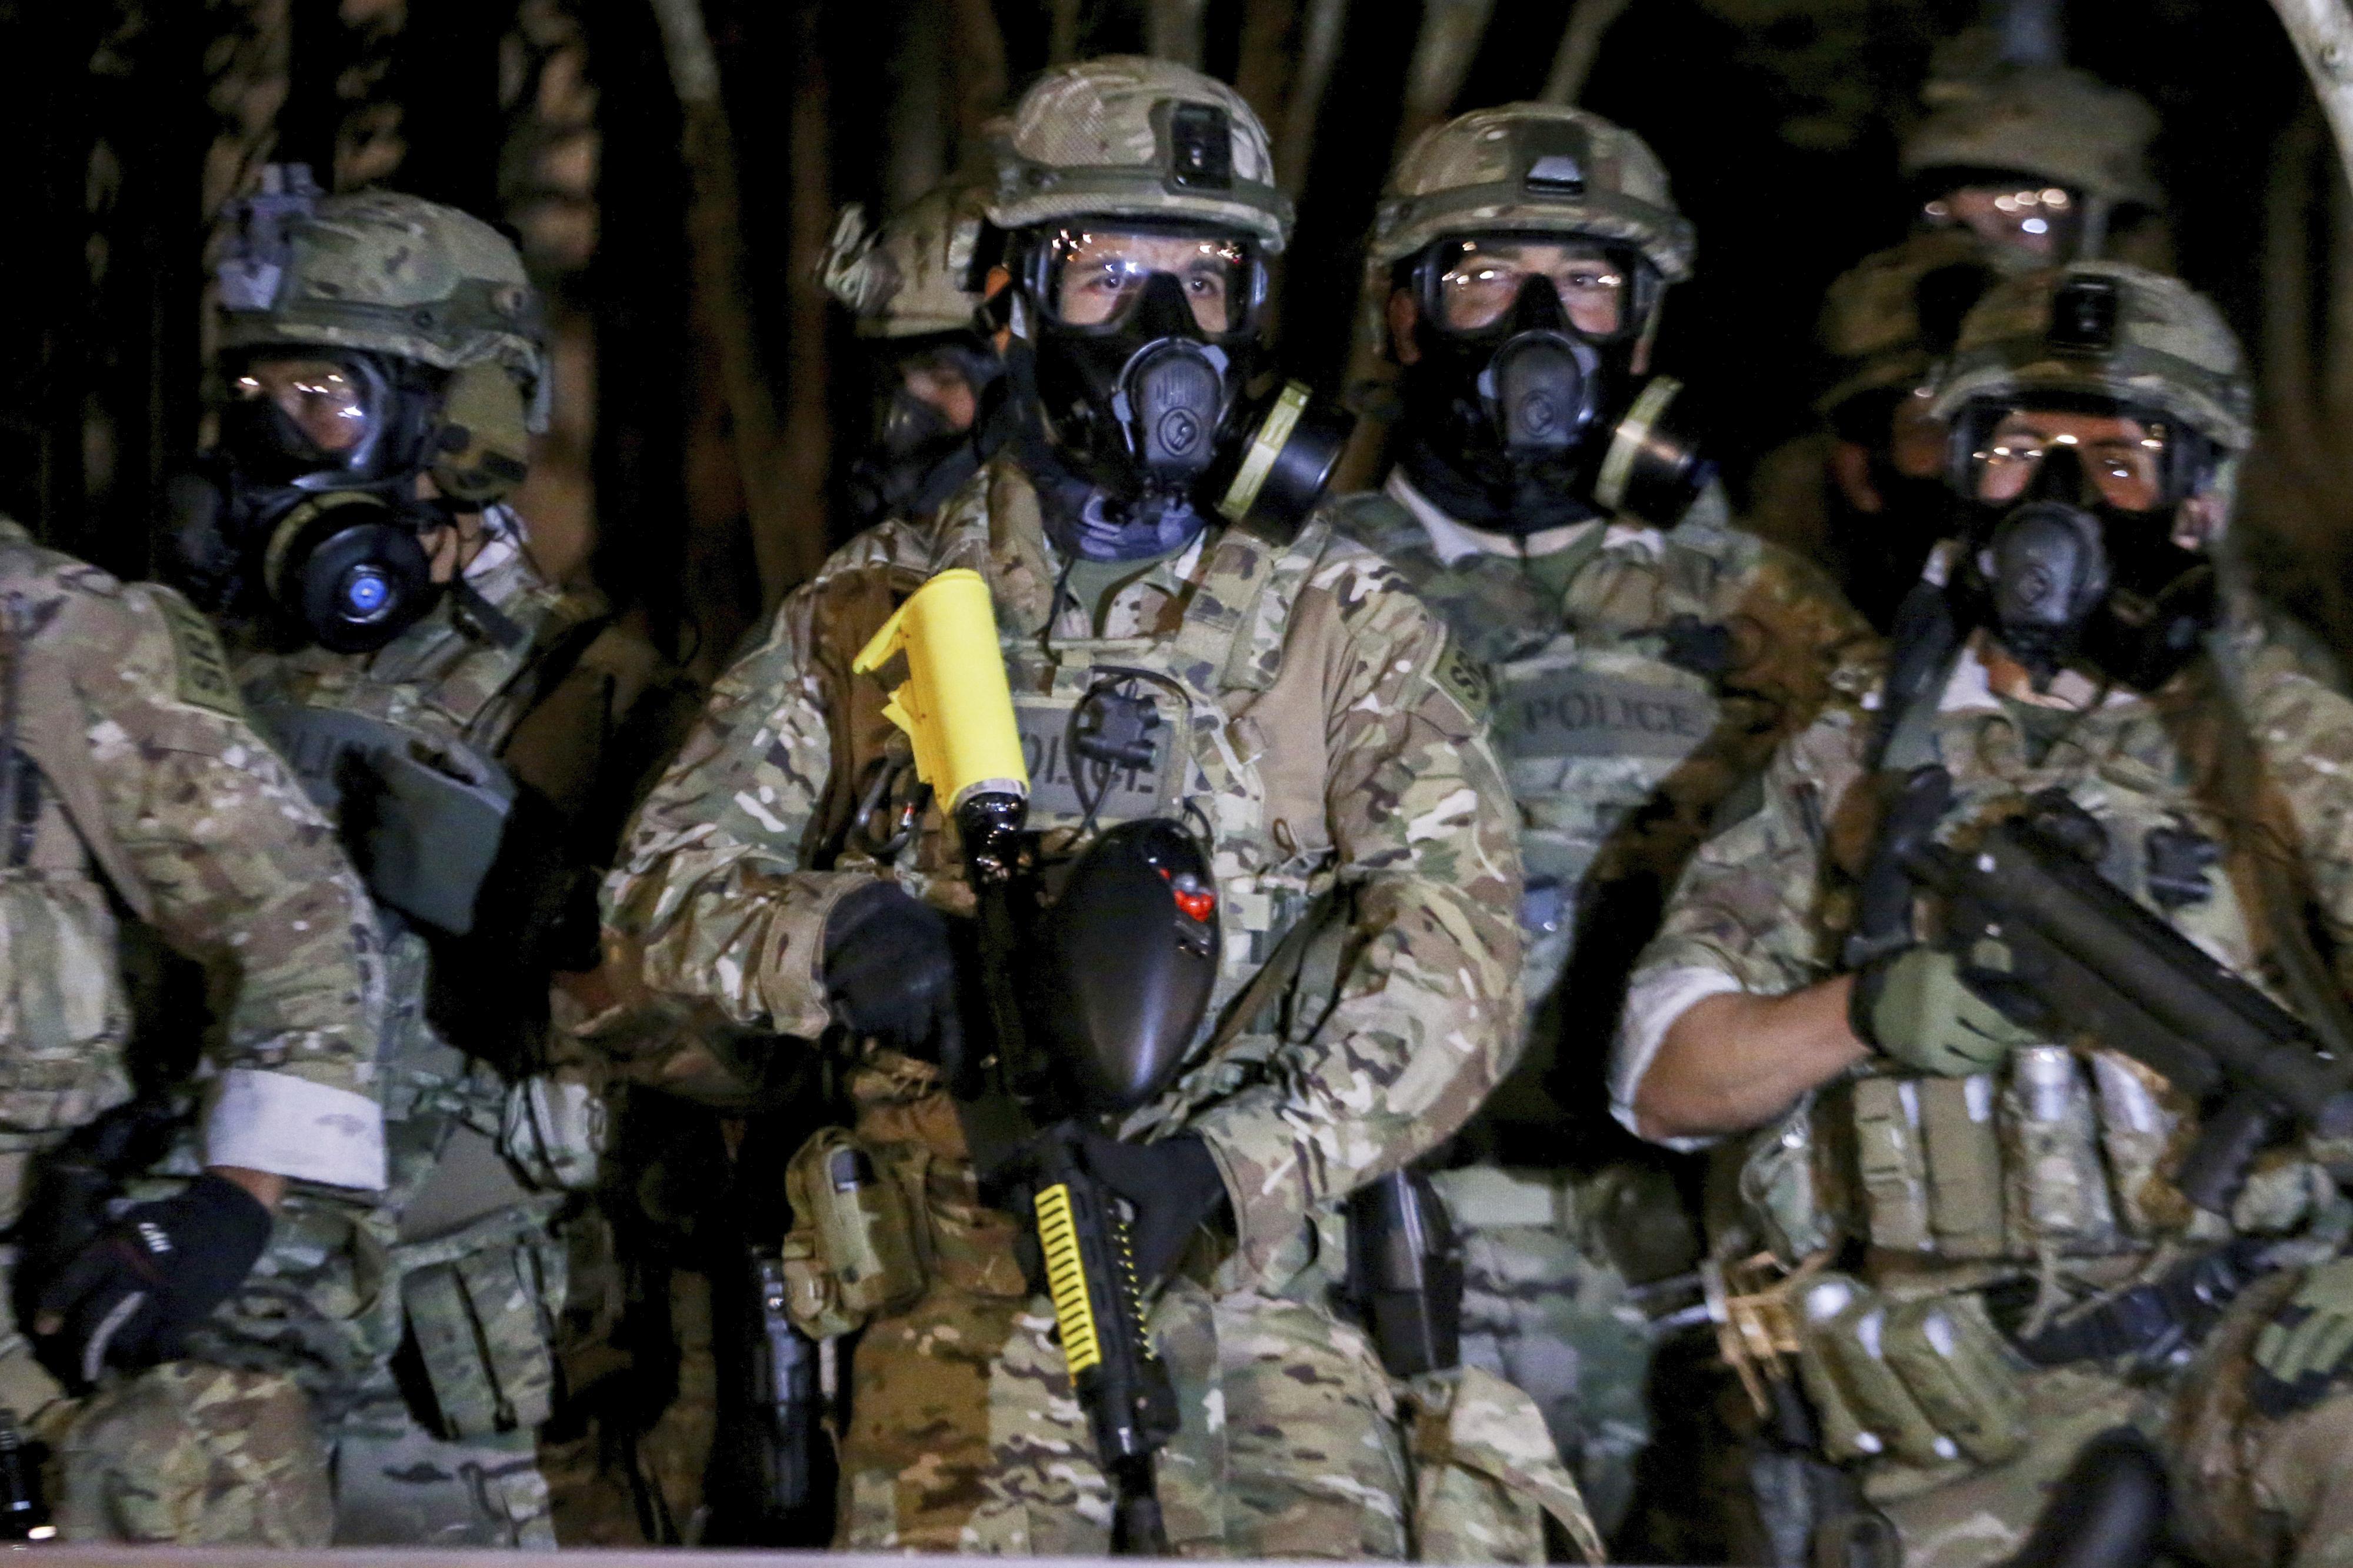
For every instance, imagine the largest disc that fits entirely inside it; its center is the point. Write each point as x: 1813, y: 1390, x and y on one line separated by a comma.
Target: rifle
x: 1112, y: 1052
x: 2070, y: 951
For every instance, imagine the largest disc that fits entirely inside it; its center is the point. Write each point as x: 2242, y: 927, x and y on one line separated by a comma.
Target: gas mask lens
x: 1479, y: 283
x: 319, y: 410
x: 1095, y: 278
x: 2123, y: 459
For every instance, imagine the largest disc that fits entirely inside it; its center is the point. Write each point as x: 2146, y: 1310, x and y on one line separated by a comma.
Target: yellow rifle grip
x: 1066, y: 1279
x: 955, y: 706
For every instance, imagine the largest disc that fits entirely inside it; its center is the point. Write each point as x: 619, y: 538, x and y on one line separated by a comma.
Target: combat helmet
x: 1887, y: 320
x: 1531, y: 168
x: 2058, y: 124
x: 2102, y: 330
x: 386, y: 273
x: 912, y: 275
x: 1125, y: 136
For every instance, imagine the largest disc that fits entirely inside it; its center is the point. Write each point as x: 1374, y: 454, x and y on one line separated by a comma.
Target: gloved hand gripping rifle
x: 957, y: 710
x: 2060, y: 949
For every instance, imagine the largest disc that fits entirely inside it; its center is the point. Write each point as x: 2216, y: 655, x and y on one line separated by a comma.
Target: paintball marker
x: 2060, y: 950
x: 1130, y: 952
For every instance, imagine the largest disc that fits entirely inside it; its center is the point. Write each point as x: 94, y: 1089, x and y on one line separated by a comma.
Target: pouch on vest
x: 2057, y: 1192
x: 1486, y: 1473
x: 484, y: 1325
x: 64, y: 1016
x: 1865, y: 1409
x: 1781, y: 1187
x: 1964, y: 1374
x: 1964, y: 1156
x: 421, y: 816
x: 1890, y: 1162
x: 853, y: 1250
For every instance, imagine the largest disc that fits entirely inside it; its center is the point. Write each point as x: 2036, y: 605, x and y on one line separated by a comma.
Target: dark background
x: 709, y: 401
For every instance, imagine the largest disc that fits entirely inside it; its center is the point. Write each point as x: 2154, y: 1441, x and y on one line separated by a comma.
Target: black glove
x: 1173, y: 1186
x: 128, y: 1298
x: 891, y: 973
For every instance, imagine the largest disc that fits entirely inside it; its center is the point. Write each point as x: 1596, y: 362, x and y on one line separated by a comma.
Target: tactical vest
x: 65, y: 1016
x: 1205, y: 685
x: 2054, y: 1169
x: 456, y: 1251
x: 1591, y: 722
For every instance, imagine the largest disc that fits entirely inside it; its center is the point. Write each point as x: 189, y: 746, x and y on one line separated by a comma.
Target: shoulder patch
x: 1465, y: 679
x: 200, y: 665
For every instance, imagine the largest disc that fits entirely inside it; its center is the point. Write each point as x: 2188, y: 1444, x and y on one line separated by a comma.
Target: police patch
x: 1578, y: 712
x: 201, y: 666
x: 1464, y: 679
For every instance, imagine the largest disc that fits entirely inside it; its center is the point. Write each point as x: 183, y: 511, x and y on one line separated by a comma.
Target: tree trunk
x: 716, y: 257
x: 1172, y: 30
x: 1580, y: 45
x: 808, y: 449
x: 1319, y: 51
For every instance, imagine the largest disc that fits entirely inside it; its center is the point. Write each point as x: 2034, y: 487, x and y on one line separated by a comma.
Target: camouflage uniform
x: 1332, y: 748
x: 1642, y: 674
x: 147, y: 791
x: 2051, y: 1174
x: 459, y: 1256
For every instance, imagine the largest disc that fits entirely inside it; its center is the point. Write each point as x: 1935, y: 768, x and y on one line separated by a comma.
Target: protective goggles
x: 311, y: 411
x: 1470, y: 285
x: 1090, y: 278
x: 2138, y: 459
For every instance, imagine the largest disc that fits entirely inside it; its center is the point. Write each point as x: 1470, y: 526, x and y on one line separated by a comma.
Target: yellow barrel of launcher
x: 954, y: 705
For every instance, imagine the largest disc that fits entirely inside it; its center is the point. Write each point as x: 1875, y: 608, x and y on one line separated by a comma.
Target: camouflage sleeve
x: 246, y: 876
x: 1758, y: 908
x: 710, y: 901
x: 1803, y: 633
x: 2304, y: 728
x: 1751, y: 904
x: 1427, y: 1019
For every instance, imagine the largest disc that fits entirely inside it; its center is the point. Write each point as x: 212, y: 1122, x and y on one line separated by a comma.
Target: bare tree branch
x: 2323, y: 34
x: 1451, y: 31
x: 1319, y: 51
x: 1580, y: 45
x: 1172, y: 30
x: 1063, y: 34
x: 715, y: 246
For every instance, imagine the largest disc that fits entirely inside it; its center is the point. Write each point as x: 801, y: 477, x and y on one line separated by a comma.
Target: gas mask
x: 1525, y: 417
x: 305, y: 513
x: 920, y: 456
x: 1131, y: 352
x: 2063, y: 576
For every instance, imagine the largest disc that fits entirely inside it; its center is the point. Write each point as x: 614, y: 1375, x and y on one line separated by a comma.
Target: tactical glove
x: 1918, y: 1006
x: 2301, y: 1352
x: 129, y: 1298
x: 1173, y: 1186
x: 891, y: 973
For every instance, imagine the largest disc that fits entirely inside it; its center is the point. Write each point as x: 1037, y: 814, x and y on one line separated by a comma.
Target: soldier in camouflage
x: 1645, y: 665
x: 912, y: 288
x: 140, y: 801
x: 445, y: 701
x: 1311, y: 722
x: 1968, y: 1236
x: 2006, y: 172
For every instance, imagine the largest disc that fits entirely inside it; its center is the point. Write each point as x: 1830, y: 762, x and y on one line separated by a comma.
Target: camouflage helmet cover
x: 2170, y: 350
x: 1124, y: 136
x: 391, y: 273
x: 1531, y: 168
x: 1871, y: 325
x: 909, y: 276
x: 2055, y: 123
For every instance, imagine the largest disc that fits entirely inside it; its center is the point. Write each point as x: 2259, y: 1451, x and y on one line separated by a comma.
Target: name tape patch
x: 203, y: 668
x: 1583, y: 713
x: 1056, y: 777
